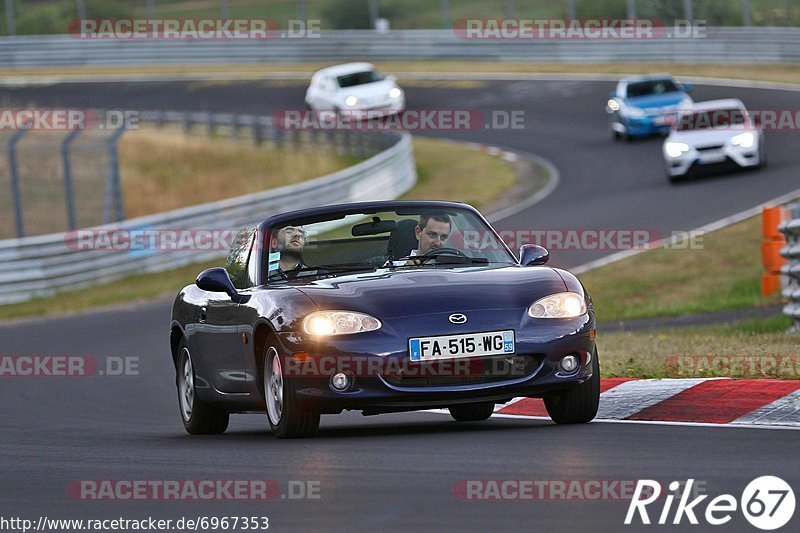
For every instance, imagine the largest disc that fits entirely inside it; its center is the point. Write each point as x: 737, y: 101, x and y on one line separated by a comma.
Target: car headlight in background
x: 322, y: 323
x: 675, y: 149
x: 743, y: 140
x: 635, y: 112
x: 613, y: 105
x: 350, y: 101
x: 395, y: 92
x: 560, y: 305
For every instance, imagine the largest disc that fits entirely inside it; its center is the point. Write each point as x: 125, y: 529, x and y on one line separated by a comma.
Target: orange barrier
x: 771, y: 245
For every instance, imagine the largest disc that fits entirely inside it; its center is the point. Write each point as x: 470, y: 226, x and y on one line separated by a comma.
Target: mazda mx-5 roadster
x: 380, y: 307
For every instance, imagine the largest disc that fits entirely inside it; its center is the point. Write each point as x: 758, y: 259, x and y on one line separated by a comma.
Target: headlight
x: 560, y: 305
x: 635, y: 112
x: 675, y: 149
x: 613, y: 105
x: 395, y: 92
x: 322, y: 323
x: 350, y: 101
x: 744, y: 140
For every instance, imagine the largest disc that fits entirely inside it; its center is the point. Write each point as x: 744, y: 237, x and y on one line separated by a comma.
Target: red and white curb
x: 711, y: 401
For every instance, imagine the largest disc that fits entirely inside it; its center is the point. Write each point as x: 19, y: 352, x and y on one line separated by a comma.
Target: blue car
x: 380, y: 307
x: 641, y: 106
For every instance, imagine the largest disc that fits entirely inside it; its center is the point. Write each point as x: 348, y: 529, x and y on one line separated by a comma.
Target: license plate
x: 467, y: 345
x: 713, y: 157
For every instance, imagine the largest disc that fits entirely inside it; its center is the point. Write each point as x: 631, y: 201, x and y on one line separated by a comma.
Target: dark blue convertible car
x: 380, y: 307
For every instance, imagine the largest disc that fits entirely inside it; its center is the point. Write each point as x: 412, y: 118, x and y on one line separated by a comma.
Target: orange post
x: 773, y: 241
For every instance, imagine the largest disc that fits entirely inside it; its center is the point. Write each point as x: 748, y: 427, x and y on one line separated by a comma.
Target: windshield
x: 406, y: 238
x: 715, y: 118
x: 651, y: 87
x: 359, y: 78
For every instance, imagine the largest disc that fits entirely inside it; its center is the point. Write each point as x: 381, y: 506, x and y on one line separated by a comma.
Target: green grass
x: 434, y: 175
x: 753, y: 350
x: 724, y: 274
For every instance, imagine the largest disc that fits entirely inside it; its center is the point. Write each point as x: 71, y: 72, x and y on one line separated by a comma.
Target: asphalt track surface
x: 391, y: 472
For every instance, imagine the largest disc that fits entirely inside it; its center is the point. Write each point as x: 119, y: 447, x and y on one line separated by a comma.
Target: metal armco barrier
x: 716, y: 45
x: 791, y: 270
x: 43, y: 265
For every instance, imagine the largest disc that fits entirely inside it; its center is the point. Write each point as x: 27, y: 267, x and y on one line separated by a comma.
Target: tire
x: 287, y: 418
x: 472, y: 412
x: 199, y: 417
x: 579, y: 404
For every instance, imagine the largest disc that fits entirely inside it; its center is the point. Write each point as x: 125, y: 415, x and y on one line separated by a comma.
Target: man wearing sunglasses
x: 286, y: 255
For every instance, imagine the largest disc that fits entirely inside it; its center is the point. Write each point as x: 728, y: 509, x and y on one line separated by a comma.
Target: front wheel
x: 579, y: 404
x: 199, y: 417
x: 287, y: 418
x: 472, y: 412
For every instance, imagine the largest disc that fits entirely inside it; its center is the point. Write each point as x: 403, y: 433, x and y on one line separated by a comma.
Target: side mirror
x: 217, y: 280
x: 533, y: 254
x: 688, y: 87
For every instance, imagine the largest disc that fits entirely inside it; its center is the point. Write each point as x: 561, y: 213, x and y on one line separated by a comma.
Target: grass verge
x: 435, y: 159
x: 722, y: 272
x: 752, y: 350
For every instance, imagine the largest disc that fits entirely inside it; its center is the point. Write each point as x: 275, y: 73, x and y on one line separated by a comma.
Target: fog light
x: 569, y: 364
x: 340, y: 382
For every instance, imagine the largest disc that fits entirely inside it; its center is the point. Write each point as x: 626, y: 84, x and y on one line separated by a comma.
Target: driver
x: 432, y: 231
x: 286, y: 248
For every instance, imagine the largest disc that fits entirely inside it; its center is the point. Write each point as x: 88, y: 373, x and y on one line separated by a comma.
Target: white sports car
x: 354, y: 89
x: 713, y: 133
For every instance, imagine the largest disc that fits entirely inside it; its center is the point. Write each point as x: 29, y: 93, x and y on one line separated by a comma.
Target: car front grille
x: 709, y: 148
x: 458, y: 372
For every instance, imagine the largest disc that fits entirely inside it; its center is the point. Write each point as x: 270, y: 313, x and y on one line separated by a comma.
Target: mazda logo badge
x: 458, y: 318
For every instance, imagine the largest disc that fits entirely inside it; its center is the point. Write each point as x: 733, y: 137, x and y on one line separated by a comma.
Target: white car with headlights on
x: 355, y: 90
x: 717, y: 132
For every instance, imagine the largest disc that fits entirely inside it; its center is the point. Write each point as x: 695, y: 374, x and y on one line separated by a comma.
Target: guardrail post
x: 210, y: 124
x: 187, y: 124
x: 68, y: 192
x: 16, y: 194
x: 257, y: 137
x: 113, y: 200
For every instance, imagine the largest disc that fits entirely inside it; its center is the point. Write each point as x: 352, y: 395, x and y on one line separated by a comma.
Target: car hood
x: 419, y: 291
x: 706, y: 136
x: 656, y: 100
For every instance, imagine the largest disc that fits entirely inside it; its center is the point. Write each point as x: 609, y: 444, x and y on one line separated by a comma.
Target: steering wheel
x: 436, y: 252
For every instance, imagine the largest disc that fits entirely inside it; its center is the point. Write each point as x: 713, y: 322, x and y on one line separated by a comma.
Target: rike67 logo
x: 767, y: 503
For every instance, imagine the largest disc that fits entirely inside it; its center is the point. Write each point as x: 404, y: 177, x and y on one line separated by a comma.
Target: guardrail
x: 791, y: 270
x: 43, y: 265
x: 716, y: 45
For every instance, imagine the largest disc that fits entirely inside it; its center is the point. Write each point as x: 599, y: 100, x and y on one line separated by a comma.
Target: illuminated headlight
x: 613, y: 105
x: 322, y: 323
x: 561, y: 305
x: 743, y: 140
x: 635, y: 112
x: 675, y: 149
x: 350, y: 101
x: 395, y: 92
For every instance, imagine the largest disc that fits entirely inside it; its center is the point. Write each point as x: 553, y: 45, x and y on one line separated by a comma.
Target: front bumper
x: 724, y: 154
x: 388, y: 381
